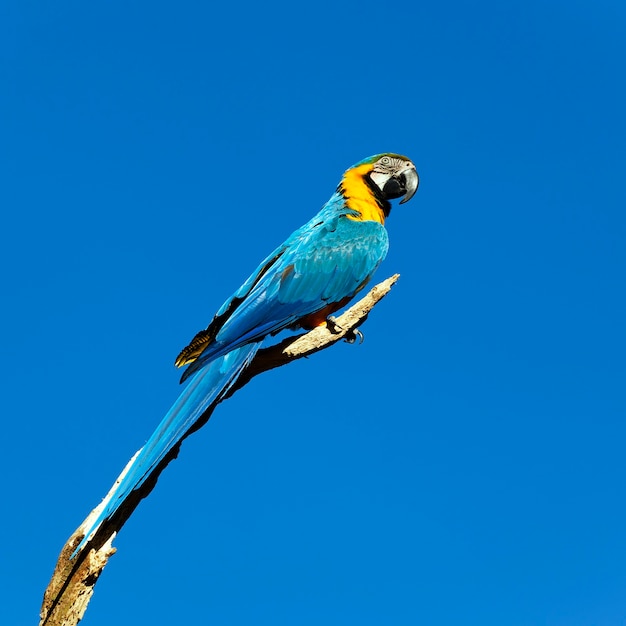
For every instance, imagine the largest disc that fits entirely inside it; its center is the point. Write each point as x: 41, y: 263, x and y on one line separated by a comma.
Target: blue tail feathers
x: 210, y: 384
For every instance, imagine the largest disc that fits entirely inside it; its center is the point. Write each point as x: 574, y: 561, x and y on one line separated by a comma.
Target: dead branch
x: 72, y: 584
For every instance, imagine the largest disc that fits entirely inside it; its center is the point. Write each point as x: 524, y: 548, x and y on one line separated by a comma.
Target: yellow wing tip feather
x: 195, y: 348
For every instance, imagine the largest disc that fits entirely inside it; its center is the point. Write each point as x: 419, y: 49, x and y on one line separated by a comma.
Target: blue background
x: 465, y: 465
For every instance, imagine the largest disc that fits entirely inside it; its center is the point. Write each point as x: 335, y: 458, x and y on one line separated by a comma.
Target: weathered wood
x: 72, y: 584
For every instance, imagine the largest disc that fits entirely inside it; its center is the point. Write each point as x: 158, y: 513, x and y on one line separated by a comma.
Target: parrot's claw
x: 331, y: 324
x: 353, y: 335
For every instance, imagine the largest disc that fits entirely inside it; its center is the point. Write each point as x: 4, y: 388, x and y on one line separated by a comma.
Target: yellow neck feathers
x: 359, y: 196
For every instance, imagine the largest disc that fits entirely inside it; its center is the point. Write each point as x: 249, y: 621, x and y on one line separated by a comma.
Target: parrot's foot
x: 351, y: 335
x: 331, y: 324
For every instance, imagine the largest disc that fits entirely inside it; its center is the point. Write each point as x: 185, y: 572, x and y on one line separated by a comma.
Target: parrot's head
x: 382, y: 177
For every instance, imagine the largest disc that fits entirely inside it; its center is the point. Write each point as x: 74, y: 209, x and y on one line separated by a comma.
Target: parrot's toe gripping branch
x: 332, y: 325
x: 351, y: 335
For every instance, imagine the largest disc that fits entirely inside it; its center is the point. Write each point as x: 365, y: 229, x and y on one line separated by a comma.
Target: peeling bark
x: 72, y: 584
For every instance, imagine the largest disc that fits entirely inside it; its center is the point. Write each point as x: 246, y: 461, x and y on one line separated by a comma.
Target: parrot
x: 317, y: 270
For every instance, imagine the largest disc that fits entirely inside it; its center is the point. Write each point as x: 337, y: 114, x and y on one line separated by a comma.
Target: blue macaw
x: 315, y: 272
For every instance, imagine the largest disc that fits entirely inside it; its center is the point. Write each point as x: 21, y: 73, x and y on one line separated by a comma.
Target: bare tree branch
x: 72, y: 584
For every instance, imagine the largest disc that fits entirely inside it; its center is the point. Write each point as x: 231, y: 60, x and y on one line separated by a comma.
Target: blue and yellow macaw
x: 315, y: 272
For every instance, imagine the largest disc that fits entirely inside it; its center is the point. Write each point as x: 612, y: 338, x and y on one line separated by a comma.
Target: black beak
x: 411, y: 183
x: 402, y: 185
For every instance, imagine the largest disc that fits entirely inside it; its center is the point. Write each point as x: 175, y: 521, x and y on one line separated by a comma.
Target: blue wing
x: 319, y: 266
x: 323, y: 263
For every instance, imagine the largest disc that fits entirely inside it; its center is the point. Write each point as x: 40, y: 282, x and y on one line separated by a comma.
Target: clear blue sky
x: 465, y: 465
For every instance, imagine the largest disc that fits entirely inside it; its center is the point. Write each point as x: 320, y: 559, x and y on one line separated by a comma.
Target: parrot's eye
x: 385, y: 160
